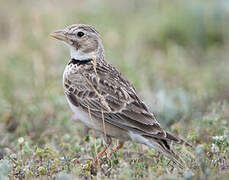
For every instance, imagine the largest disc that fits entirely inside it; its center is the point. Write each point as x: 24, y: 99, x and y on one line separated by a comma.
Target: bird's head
x: 84, y: 41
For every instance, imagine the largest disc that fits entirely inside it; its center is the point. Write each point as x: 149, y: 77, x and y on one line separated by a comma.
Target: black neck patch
x: 80, y: 62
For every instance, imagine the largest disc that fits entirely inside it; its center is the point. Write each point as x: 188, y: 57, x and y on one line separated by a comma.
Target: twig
x: 102, y: 98
x: 94, y: 65
x: 93, y: 132
x: 103, y: 101
x: 104, y: 127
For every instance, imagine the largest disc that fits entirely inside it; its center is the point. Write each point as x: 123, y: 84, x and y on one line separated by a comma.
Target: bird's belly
x: 82, y: 116
x: 97, y: 124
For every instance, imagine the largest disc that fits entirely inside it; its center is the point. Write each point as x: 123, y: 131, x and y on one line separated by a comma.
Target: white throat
x: 79, y: 56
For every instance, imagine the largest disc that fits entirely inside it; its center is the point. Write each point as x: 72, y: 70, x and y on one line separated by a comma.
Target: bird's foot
x: 115, y: 149
x: 96, y: 160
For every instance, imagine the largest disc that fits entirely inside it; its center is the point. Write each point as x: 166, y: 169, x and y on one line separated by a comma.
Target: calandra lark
x: 104, y: 99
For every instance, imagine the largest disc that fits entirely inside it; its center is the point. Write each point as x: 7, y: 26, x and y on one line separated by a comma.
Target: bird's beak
x: 60, y: 35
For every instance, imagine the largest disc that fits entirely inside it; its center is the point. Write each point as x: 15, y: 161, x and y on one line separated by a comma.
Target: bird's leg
x: 116, y: 149
x: 108, y: 142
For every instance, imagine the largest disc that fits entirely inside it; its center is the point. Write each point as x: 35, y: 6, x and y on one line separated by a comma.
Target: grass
x: 175, y: 53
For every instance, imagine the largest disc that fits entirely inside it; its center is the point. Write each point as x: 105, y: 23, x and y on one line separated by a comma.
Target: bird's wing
x: 109, y: 95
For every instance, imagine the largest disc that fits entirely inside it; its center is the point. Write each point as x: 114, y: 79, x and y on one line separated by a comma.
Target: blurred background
x: 175, y: 52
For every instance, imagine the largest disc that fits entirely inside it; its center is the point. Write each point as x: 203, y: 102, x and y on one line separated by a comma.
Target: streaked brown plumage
x: 98, y: 92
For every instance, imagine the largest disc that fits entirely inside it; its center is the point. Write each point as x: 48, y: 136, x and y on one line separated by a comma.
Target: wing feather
x: 107, y: 91
x: 126, y: 110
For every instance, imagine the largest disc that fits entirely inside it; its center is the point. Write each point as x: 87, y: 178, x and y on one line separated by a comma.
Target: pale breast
x: 74, y: 83
x: 81, y: 115
x: 72, y: 79
x: 71, y: 75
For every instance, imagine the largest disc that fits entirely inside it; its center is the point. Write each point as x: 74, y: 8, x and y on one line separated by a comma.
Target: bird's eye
x: 80, y: 34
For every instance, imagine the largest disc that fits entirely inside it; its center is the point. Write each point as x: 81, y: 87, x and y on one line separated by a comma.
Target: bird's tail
x: 163, y: 146
x: 177, y: 140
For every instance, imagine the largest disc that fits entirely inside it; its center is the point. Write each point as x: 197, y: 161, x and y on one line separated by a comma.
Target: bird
x: 105, y: 100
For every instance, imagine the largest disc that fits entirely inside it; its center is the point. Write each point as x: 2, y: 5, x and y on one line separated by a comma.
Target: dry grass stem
x: 93, y: 131
x: 102, y: 99
x: 104, y: 126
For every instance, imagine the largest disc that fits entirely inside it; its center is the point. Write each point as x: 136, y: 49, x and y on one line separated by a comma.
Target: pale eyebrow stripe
x: 72, y: 29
